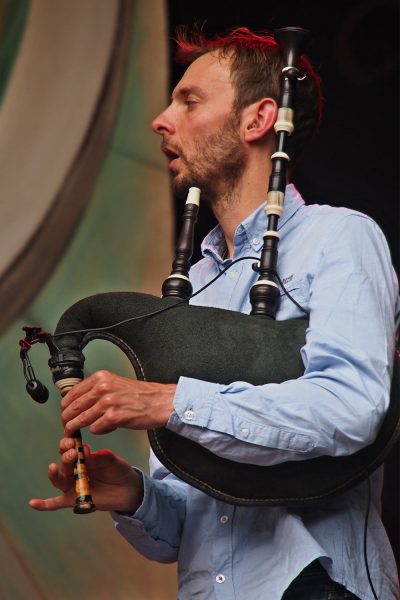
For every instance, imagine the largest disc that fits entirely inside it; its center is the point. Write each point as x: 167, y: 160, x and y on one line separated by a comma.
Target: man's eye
x: 190, y: 103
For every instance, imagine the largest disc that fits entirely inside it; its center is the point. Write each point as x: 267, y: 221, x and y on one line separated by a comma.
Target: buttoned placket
x: 225, y: 287
x: 223, y: 552
x: 233, y: 275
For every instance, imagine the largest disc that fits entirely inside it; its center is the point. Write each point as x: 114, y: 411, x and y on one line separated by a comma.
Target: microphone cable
x: 184, y: 301
x: 368, y: 483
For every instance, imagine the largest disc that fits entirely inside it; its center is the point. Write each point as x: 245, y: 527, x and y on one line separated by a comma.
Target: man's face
x: 200, y: 130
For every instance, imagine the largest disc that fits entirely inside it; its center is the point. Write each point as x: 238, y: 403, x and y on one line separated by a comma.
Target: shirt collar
x: 253, y: 227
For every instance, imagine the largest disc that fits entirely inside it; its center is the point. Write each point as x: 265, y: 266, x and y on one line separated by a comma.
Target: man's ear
x: 259, y: 119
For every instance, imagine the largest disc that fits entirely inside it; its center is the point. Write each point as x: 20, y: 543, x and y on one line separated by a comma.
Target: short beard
x: 217, y: 167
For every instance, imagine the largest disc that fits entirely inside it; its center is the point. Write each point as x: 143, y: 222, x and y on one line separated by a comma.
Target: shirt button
x: 189, y: 414
x: 256, y: 240
x: 232, y: 274
x: 224, y: 519
x: 220, y: 578
x: 245, y: 432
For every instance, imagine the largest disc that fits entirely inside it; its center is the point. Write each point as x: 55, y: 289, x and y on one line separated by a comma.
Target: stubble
x: 215, y: 165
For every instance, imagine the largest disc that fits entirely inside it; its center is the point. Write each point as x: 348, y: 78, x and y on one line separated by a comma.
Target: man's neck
x: 237, y: 204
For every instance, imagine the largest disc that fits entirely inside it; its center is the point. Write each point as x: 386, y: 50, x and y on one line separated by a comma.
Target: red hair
x: 256, y: 65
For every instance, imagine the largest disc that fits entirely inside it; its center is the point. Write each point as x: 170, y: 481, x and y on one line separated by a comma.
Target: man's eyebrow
x: 183, y: 92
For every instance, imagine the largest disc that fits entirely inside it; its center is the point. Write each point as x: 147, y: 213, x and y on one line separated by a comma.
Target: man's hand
x: 105, y: 401
x: 114, y: 485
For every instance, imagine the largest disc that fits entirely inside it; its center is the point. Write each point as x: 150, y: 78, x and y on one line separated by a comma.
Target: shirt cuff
x: 193, y: 403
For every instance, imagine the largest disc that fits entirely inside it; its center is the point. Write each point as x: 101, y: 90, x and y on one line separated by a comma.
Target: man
x: 218, y: 135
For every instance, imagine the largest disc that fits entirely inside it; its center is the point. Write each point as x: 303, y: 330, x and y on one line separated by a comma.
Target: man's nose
x: 163, y: 124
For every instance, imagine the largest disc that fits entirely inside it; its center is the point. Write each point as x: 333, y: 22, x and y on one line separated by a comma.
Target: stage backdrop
x: 85, y: 208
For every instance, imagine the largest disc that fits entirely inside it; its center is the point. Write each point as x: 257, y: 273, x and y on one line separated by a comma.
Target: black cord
x: 368, y: 482
x: 155, y: 312
x: 224, y: 270
x: 306, y: 312
x: 165, y: 308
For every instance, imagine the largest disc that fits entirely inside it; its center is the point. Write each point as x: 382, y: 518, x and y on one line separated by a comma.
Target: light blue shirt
x: 335, y: 262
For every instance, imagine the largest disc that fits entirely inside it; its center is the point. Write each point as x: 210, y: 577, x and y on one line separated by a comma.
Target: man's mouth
x: 172, y: 157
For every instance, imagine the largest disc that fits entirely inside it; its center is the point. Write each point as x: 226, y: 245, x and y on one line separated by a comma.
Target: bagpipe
x: 165, y: 338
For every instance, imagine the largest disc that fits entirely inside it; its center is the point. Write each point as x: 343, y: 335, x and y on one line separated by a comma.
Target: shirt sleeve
x: 338, y: 404
x: 154, y: 529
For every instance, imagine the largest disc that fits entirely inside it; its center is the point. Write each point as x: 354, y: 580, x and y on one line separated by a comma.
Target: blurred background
x: 85, y: 208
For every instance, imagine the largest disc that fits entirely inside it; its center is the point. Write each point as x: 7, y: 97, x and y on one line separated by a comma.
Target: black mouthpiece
x: 292, y: 41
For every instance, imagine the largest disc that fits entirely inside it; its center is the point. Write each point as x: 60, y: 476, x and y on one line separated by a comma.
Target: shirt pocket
x: 297, y: 288
x: 296, y: 291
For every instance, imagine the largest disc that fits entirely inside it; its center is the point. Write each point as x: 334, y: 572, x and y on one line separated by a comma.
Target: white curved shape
x: 43, y: 111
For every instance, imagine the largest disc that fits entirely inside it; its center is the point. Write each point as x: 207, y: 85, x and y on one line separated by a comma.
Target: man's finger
x: 54, y: 503
x: 102, y: 425
x: 84, y: 419
x: 77, y: 407
x: 86, y: 386
x: 61, y: 477
x: 66, y: 444
x: 75, y: 392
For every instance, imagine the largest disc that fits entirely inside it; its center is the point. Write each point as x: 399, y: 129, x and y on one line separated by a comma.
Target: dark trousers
x: 314, y: 583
